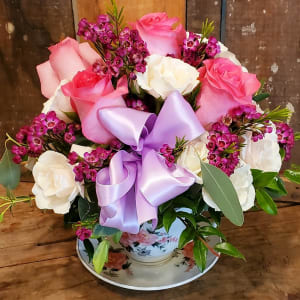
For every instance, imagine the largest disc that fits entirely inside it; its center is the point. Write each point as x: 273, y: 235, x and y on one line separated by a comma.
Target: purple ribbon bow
x: 137, y: 182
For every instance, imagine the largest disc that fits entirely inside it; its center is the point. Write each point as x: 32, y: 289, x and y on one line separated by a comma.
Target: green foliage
x: 87, y: 209
x: 192, y: 97
x: 116, y: 16
x: 260, y: 97
x: 297, y: 136
x: 117, y: 236
x: 9, y: 171
x: 262, y: 179
x: 186, y: 236
x: 276, y: 115
x: 229, y: 249
x: 276, y: 188
x: 210, y: 230
x: 200, y: 254
x: 72, y: 115
x: 187, y: 217
x: 207, y: 29
x: 89, y: 249
x: 103, y: 231
x: 282, y: 153
x: 168, y: 218
x: 221, y: 190
x: 266, y: 202
x: 101, y: 256
x: 293, y: 174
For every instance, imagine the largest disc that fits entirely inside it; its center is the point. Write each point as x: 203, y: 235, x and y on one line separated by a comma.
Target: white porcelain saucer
x: 130, y: 274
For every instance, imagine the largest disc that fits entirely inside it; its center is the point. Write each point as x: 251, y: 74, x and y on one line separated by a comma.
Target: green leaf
x: 89, y: 248
x: 292, y: 175
x: 297, y: 136
x: 221, y: 190
x: 168, y: 218
x: 229, y: 249
x: 266, y: 202
x: 181, y: 202
x: 117, y: 236
x: 2, y: 216
x: 210, y: 230
x: 187, y: 216
x: 282, y: 153
x: 72, y: 115
x: 215, y: 215
x: 261, y: 97
x: 276, y: 187
x: 186, y: 236
x: 263, y: 179
x: 87, y: 209
x: 101, y: 231
x: 200, y: 218
x: 200, y: 253
x: 101, y: 256
x: 9, y: 171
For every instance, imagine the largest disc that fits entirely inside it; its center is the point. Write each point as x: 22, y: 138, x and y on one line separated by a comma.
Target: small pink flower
x: 83, y: 233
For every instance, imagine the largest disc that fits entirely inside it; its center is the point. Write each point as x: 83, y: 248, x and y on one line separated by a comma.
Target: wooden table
x: 38, y: 259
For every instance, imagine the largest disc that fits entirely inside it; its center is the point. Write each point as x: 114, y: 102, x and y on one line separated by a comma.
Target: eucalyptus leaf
x: 9, y: 171
x: 101, y: 231
x: 168, y: 218
x: 221, y: 190
x: 187, y: 235
x: 229, y: 249
x: 89, y: 248
x: 200, y: 254
x: 101, y: 256
x: 266, y: 202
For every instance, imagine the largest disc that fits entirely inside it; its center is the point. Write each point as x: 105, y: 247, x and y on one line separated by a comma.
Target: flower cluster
x: 223, y: 148
x: 167, y: 152
x: 194, y: 51
x: 136, y: 104
x: 286, y: 138
x: 87, y: 167
x: 83, y: 233
x: 246, y: 117
x: 123, y: 52
x: 45, y: 130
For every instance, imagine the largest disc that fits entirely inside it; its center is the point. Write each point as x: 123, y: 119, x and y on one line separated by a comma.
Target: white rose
x: 263, y: 154
x: 193, y: 153
x: 55, y: 186
x: 166, y: 74
x: 242, y: 181
x: 225, y: 53
x: 59, y: 103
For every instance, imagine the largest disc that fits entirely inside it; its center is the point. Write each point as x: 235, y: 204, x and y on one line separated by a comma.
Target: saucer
x: 123, y: 271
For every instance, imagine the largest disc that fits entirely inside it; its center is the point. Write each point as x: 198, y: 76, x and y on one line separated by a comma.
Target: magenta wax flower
x: 286, y: 138
x: 167, y: 152
x: 69, y: 138
x: 17, y: 159
x: 83, y: 233
x: 73, y: 158
x: 116, y: 144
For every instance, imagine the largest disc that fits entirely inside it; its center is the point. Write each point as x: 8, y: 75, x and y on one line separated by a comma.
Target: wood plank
x: 133, y: 10
x: 199, y: 10
x: 264, y: 34
x: 27, y: 29
x: 270, y: 244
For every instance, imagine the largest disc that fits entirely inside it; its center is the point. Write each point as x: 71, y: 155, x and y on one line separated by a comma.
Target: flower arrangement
x: 157, y: 124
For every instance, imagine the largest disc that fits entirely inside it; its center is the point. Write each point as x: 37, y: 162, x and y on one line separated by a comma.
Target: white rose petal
x: 80, y: 150
x: 166, y: 74
x: 242, y: 181
x: 59, y: 103
x: 263, y: 154
x: 193, y: 153
x: 55, y: 186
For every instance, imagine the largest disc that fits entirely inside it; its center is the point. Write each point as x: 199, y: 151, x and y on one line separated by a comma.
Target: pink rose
x: 158, y: 32
x: 90, y: 92
x: 66, y: 59
x: 224, y: 86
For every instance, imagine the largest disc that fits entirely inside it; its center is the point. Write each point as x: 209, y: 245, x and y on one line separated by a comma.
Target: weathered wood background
x: 265, y: 35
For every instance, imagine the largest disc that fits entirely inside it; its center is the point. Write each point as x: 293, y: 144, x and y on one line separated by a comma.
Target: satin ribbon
x: 137, y: 182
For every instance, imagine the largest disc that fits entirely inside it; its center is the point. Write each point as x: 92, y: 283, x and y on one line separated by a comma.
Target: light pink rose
x: 90, y: 92
x: 66, y: 59
x: 224, y: 86
x: 157, y: 30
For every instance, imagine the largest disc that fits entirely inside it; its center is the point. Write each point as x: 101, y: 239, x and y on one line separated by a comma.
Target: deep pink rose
x: 224, y: 86
x: 158, y: 32
x: 90, y: 92
x: 66, y: 59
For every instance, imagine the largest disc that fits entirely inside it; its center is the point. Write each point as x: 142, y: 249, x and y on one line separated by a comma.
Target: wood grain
x: 38, y: 261
x: 200, y: 10
x: 133, y: 10
x: 27, y: 29
x: 265, y: 36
